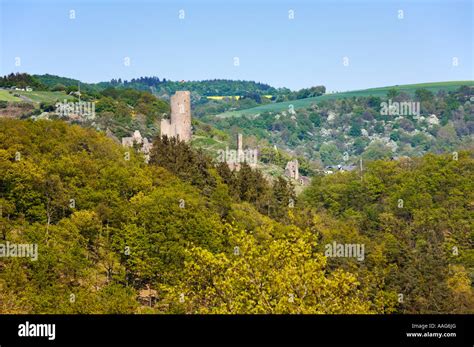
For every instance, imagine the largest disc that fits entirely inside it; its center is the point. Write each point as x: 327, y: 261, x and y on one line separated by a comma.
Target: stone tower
x: 240, y: 148
x: 179, y: 124
x: 292, y: 169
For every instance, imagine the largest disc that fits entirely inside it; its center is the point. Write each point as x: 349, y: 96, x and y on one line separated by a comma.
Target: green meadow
x: 34, y: 96
x: 381, y: 92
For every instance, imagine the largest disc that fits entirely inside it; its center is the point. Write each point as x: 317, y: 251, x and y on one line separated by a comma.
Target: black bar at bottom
x: 447, y: 330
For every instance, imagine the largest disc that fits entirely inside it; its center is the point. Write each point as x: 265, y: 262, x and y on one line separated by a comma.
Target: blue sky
x: 272, y: 48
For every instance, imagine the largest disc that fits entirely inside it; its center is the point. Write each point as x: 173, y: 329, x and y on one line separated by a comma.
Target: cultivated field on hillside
x: 381, y: 92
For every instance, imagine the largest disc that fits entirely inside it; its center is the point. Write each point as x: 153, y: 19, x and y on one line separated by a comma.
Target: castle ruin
x: 240, y: 146
x: 144, y: 146
x: 179, y: 124
x: 292, y: 169
x: 234, y: 158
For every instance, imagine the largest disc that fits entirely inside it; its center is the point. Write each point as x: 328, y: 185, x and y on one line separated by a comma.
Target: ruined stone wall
x: 181, y: 114
x: 292, y: 169
x: 235, y: 158
x: 240, y: 142
x: 165, y: 128
x: 179, y: 124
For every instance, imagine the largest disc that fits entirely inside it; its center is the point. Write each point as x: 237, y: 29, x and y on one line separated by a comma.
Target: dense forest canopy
x: 184, y: 235
x: 21, y: 80
x: 163, y: 86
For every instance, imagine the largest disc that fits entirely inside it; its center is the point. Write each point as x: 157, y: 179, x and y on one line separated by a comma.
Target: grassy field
x: 382, y: 92
x: 209, y: 145
x: 35, y: 96
x: 6, y: 96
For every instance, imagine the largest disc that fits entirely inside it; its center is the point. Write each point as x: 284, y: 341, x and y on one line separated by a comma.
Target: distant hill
x: 339, y: 129
x: 377, y: 92
x: 51, y: 81
x: 323, y: 130
x: 221, y: 87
